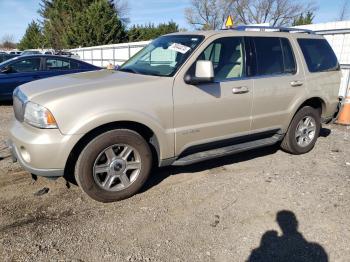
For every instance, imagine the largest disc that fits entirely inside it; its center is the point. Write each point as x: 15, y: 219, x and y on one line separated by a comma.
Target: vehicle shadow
x: 160, y: 174
x: 324, y: 132
x: 290, y: 246
x: 6, y: 103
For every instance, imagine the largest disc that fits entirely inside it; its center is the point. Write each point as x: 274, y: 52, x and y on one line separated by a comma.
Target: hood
x: 82, y: 82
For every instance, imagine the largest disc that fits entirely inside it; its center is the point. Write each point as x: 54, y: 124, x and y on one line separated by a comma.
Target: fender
x: 164, y: 136
x: 299, y: 102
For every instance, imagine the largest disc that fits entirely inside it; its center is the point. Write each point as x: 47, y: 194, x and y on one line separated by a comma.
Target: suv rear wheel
x: 303, y: 131
x: 114, y: 165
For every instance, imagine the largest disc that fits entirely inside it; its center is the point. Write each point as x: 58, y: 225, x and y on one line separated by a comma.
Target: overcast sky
x: 16, y: 14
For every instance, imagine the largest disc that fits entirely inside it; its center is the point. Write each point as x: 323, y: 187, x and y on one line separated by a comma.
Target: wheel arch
x: 315, y: 102
x: 146, y: 132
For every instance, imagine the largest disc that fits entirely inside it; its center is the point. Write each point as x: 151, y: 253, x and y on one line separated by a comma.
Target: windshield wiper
x: 129, y: 70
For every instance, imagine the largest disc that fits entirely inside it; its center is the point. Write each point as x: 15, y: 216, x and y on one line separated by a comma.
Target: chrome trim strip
x: 253, y: 77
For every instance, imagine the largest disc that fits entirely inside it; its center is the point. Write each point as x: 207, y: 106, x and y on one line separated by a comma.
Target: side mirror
x: 6, y: 70
x: 204, y: 73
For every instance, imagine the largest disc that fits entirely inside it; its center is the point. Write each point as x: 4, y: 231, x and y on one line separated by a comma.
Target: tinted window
x: 269, y: 55
x: 318, y: 54
x: 26, y: 65
x: 60, y: 64
x: 227, y: 57
x: 288, y: 56
x: 74, y: 65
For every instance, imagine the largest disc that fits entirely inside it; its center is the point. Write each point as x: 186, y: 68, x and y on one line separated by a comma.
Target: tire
x: 114, y: 165
x: 295, y: 141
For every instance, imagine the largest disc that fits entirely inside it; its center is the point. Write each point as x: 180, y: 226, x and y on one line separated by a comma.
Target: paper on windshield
x: 179, y: 48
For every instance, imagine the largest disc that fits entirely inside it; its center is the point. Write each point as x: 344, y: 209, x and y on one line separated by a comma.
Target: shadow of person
x: 290, y: 246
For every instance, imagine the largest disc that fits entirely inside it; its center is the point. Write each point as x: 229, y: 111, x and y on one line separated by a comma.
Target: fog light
x: 25, y: 155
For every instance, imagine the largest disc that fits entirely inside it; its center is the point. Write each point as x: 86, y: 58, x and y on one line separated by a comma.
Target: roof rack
x: 265, y: 28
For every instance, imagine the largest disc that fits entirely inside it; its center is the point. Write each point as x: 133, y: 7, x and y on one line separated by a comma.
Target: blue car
x: 23, y: 69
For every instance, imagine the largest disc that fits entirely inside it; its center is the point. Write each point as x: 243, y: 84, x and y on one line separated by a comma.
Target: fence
x: 339, y: 39
x: 117, y: 54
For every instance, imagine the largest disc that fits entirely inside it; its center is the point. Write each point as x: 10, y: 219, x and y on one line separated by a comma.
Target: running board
x: 228, y: 150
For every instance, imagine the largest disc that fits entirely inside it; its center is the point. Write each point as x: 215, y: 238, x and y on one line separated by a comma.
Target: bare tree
x: 274, y: 12
x: 8, y: 42
x: 123, y: 9
x: 208, y: 14
x: 343, y: 11
x: 211, y: 14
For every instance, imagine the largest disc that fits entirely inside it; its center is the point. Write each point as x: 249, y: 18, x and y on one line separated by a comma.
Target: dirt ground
x: 255, y: 206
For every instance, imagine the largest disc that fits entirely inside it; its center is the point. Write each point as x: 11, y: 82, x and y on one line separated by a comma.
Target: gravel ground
x: 257, y: 206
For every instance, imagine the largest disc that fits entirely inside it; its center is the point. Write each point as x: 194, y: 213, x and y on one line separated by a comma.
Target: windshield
x: 163, y: 56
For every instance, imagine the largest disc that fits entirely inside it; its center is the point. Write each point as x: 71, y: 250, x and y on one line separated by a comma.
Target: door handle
x: 296, y: 83
x: 240, y: 90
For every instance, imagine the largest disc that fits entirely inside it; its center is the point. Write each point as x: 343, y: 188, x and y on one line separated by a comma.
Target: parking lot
x: 213, y: 211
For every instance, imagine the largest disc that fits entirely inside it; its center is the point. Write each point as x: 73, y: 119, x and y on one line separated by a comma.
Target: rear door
x: 22, y: 71
x: 278, y: 82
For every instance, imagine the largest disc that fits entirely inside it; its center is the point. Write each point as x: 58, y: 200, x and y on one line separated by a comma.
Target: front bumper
x: 42, y: 152
x: 16, y: 156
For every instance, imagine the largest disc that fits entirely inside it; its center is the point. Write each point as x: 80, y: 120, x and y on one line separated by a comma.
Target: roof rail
x: 264, y: 28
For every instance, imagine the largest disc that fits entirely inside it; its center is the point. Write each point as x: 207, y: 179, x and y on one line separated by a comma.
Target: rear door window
x: 288, y: 57
x: 55, y: 64
x: 269, y: 56
x: 318, y: 55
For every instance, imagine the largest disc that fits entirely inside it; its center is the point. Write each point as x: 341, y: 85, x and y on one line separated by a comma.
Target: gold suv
x: 185, y: 98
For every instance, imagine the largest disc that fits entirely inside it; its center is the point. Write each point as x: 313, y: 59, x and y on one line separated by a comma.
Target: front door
x: 22, y: 71
x: 215, y: 111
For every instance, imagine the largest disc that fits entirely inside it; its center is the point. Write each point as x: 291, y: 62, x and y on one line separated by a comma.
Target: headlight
x: 21, y: 96
x: 39, y: 116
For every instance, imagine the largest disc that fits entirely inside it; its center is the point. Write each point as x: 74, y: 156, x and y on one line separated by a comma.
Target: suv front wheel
x: 114, y: 165
x: 303, y: 131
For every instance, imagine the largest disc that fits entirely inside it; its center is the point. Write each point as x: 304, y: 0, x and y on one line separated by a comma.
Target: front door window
x: 226, y: 55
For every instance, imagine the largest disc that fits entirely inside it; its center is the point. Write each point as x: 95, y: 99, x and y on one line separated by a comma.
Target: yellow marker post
x: 229, y: 22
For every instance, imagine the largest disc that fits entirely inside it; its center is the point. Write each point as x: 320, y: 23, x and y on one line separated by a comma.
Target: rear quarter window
x: 319, y: 55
